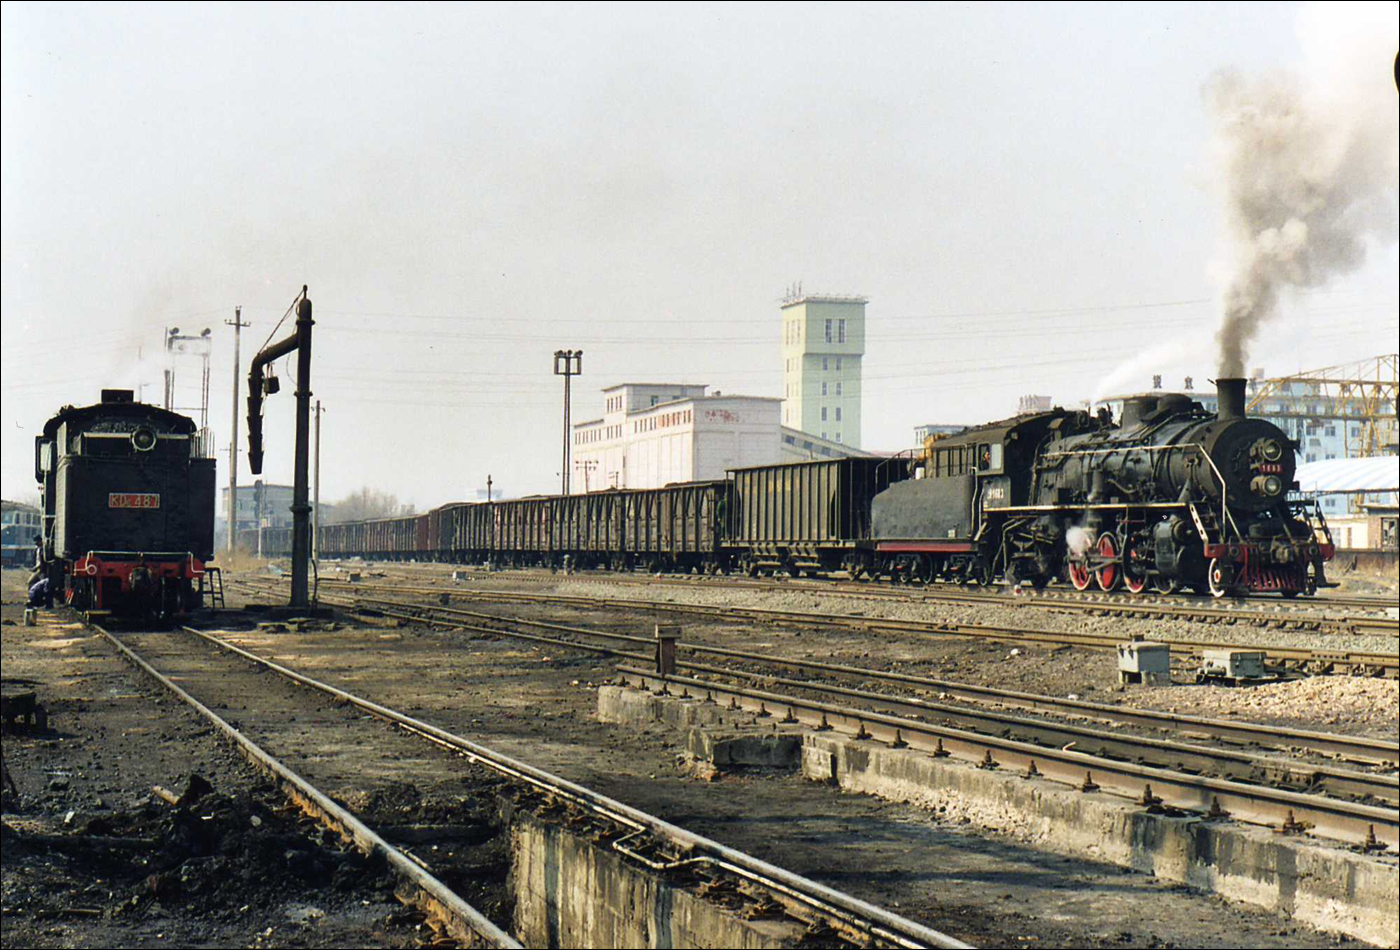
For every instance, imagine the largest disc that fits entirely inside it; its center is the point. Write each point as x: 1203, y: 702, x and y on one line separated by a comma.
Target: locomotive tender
x: 128, y: 507
x: 1170, y: 496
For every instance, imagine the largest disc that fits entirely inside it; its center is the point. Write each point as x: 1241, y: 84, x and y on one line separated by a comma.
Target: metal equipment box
x: 1146, y: 663
x: 1233, y: 665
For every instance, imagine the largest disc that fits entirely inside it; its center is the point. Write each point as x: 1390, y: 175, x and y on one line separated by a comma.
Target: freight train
x: 128, y: 507
x: 1170, y: 496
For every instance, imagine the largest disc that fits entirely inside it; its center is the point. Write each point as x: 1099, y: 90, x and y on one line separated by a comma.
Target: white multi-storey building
x: 823, y: 343
x: 657, y: 434
x: 654, y: 434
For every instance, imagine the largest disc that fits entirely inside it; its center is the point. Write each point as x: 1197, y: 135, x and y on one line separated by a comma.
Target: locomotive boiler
x: 128, y: 507
x: 1171, y: 496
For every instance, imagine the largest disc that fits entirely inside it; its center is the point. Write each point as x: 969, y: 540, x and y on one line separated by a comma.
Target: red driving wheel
x: 1107, y: 575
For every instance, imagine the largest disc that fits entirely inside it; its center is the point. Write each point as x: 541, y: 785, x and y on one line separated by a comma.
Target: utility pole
x: 316, y: 494
x: 567, y: 363
x: 238, y: 325
x: 488, y: 488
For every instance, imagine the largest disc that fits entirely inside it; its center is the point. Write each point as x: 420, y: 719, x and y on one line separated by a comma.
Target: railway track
x: 640, y: 837
x: 1293, y: 616
x: 452, y: 914
x: 1292, y: 660
x: 1354, y: 806
x: 1287, y: 811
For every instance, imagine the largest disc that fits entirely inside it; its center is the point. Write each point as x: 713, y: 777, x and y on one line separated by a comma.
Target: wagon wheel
x: 982, y: 571
x: 923, y: 570
x: 1107, y: 574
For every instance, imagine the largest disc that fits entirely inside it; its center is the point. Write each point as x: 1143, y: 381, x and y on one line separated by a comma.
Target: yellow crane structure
x: 1363, y: 393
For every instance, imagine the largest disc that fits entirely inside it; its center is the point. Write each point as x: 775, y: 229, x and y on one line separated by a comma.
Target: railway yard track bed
x: 539, y: 703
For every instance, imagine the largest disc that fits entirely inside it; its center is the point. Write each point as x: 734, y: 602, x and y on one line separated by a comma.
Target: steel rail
x: 1387, y: 663
x: 1177, y: 756
x: 1172, y: 755
x: 1375, y: 750
x: 1283, y: 810
x: 866, y: 919
x: 433, y: 570
x: 1112, y: 604
x: 1167, y: 753
x: 460, y: 919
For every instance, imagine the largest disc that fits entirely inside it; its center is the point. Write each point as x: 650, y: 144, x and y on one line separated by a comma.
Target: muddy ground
x: 114, y: 740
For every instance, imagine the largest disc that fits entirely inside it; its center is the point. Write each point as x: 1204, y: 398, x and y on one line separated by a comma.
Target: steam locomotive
x: 1172, y: 496
x: 128, y: 507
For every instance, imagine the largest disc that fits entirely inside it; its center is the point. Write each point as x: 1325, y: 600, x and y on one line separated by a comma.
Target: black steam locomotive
x: 128, y: 507
x: 1171, y: 496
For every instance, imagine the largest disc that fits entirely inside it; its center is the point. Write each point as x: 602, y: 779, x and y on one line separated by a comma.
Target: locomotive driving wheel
x: 1078, y: 570
x: 1107, y: 574
x: 1134, y: 575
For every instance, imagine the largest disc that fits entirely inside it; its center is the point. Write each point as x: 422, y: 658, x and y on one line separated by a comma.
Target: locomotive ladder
x: 214, y: 579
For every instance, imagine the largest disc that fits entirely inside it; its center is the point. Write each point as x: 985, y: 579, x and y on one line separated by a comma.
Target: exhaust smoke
x: 1308, y: 167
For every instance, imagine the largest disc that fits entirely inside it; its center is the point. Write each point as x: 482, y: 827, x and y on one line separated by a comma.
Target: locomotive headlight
x: 1266, y: 485
x: 143, y: 439
x: 1271, y: 450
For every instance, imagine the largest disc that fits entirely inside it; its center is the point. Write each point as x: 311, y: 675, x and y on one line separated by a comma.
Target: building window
x: 841, y: 330
x: 838, y: 415
x: 825, y: 367
x: 823, y: 389
x: 828, y: 331
x: 823, y: 419
x: 838, y: 364
x: 838, y: 435
x: 838, y: 389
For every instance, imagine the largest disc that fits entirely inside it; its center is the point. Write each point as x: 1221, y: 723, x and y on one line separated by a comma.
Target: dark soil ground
x: 114, y: 738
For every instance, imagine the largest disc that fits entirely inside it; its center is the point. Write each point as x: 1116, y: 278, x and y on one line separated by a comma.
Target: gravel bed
x: 1009, y: 613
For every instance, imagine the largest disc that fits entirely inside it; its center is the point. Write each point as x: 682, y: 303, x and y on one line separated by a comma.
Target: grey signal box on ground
x: 1147, y: 663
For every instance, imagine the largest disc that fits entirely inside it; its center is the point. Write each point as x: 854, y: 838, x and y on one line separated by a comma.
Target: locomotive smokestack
x: 1230, y: 397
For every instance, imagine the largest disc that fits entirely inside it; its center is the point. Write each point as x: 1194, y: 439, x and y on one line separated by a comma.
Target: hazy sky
x: 1022, y: 192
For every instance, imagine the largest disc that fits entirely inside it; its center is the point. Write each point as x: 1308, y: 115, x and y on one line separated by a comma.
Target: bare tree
x: 366, y: 504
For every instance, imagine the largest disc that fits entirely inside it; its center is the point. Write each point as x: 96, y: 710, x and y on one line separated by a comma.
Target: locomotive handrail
x: 1224, y: 510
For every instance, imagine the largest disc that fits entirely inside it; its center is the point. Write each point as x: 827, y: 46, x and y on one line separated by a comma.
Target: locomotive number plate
x: 133, y: 500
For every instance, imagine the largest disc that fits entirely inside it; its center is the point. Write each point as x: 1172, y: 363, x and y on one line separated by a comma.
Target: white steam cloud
x: 1307, y: 164
x: 1079, y: 541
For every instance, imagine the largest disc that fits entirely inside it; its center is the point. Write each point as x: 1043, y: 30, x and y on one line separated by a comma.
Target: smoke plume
x: 1308, y: 168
